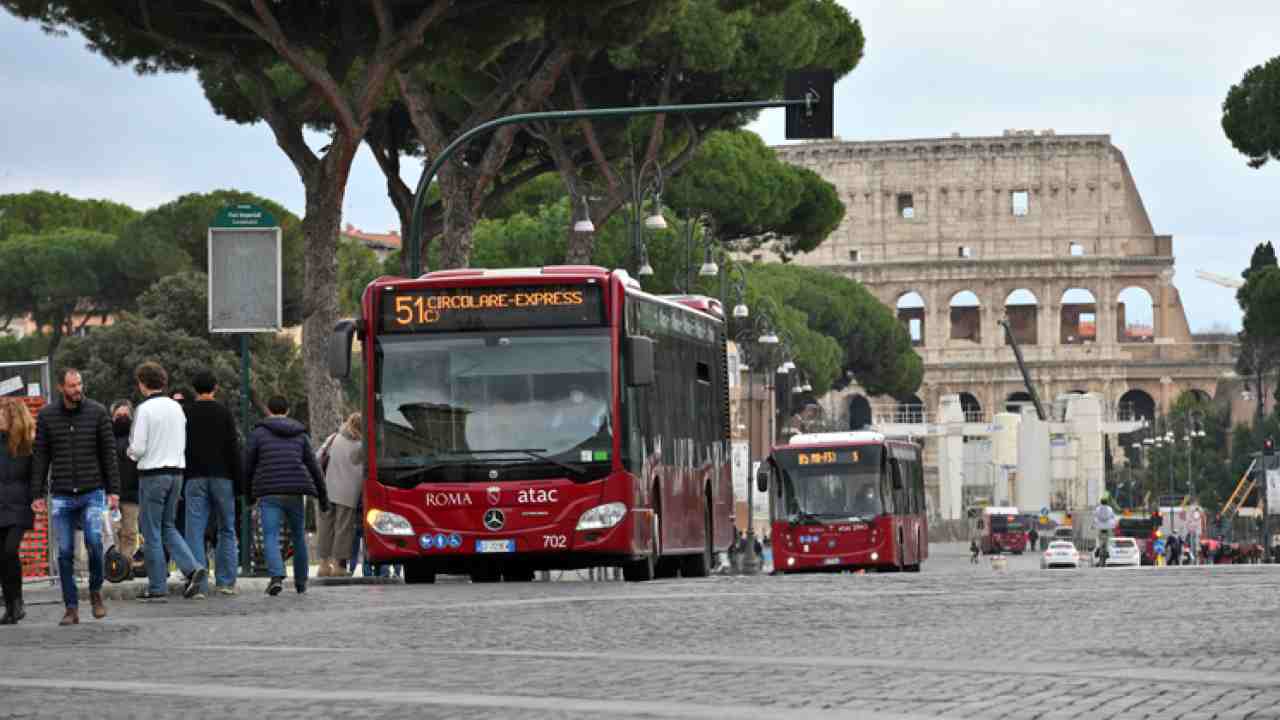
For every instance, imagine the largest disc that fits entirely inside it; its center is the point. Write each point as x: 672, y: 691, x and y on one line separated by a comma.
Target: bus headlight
x: 388, y: 523
x: 602, y: 516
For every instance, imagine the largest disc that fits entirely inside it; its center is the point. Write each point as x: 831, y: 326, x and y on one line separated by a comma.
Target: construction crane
x: 1243, y: 489
x: 1223, y: 280
x: 1022, y: 366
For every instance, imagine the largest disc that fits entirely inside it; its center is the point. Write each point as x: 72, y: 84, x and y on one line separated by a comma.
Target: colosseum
x: 1046, y: 230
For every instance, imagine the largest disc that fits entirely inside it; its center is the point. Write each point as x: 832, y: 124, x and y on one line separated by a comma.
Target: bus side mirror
x: 639, y: 361
x: 762, y: 478
x: 339, y: 349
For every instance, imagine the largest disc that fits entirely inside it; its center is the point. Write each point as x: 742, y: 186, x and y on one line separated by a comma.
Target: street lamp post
x: 755, y: 354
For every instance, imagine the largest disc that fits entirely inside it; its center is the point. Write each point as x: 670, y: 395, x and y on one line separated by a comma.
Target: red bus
x: 546, y: 418
x: 844, y: 501
x: 1142, y: 528
x: 1001, y: 530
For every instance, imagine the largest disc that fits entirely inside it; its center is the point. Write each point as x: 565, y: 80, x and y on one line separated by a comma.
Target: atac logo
x: 535, y: 497
x: 494, y: 493
x: 447, y: 499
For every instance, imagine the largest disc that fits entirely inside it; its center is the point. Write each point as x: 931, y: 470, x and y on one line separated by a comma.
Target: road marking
x: 465, y: 700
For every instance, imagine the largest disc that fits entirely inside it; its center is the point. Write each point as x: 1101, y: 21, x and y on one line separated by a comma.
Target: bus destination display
x: 492, y: 308
x: 827, y: 457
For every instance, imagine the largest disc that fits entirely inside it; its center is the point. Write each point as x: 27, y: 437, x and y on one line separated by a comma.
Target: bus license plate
x: 831, y: 561
x: 495, y: 546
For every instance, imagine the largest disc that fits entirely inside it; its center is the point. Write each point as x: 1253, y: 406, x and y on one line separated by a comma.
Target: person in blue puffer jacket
x: 281, y: 465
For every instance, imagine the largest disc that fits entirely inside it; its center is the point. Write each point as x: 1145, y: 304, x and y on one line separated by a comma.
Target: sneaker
x: 149, y: 597
x: 194, y: 581
x: 199, y: 596
x: 301, y: 588
x: 275, y: 586
x: 229, y: 590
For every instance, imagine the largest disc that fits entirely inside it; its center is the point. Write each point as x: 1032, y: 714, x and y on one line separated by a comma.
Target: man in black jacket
x: 76, y: 452
x: 281, y: 464
x: 212, y: 479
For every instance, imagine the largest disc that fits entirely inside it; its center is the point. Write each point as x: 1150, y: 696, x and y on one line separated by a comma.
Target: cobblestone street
x: 956, y: 640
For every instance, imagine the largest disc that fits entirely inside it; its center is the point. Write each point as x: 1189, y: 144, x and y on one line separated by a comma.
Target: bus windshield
x: 485, y: 398
x: 837, y: 484
x: 1006, y: 524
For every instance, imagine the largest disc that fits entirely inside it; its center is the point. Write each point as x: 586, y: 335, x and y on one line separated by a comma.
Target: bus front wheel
x: 416, y: 573
x: 646, y: 568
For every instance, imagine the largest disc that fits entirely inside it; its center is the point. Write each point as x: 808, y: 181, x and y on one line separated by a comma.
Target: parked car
x: 1061, y: 554
x: 1123, y: 552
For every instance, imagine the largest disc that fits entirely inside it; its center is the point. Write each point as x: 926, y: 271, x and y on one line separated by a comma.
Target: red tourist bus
x: 1001, y: 530
x: 846, y: 500
x: 544, y: 418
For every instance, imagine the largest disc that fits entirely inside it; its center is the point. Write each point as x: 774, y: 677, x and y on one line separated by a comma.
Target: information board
x: 245, y: 293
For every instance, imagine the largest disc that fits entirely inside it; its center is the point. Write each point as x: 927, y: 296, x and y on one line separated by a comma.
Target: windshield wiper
x: 803, y: 517
x: 536, y: 454
x: 398, y: 479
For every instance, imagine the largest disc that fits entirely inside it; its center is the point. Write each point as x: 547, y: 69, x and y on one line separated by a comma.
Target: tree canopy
x: 1251, y: 113
x: 40, y: 211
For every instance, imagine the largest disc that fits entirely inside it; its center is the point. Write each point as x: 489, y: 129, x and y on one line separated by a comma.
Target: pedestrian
x: 212, y: 481
x: 75, y: 455
x: 158, y: 443
x: 282, y: 467
x: 973, y: 552
x: 126, y: 529
x: 342, y: 461
x: 17, y: 434
x: 1033, y: 537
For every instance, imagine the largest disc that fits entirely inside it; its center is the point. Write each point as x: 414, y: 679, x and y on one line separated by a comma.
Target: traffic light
x: 816, y: 119
x: 1268, y: 447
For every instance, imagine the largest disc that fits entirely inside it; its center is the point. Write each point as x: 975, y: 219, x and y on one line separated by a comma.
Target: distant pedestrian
x: 973, y: 552
x: 158, y: 443
x: 212, y: 481
x: 75, y: 450
x: 1033, y: 537
x: 126, y: 530
x: 282, y: 467
x: 17, y: 434
x: 343, y: 461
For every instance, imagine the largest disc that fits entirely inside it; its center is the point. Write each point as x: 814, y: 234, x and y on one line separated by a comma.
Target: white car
x: 1061, y: 554
x: 1123, y: 552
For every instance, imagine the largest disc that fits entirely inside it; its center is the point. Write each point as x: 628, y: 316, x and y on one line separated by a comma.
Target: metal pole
x: 749, y: 552
x: 246, y: 527
x: 688, y: 256
x: 420, y: 195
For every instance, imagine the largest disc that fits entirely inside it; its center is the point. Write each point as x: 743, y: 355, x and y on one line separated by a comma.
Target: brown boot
x: 326, y: 568
x: 70, y: 617
x: 99, y: 607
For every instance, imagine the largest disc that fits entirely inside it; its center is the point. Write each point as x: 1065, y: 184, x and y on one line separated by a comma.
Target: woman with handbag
x: 341, y: 458
x: 17, y: 433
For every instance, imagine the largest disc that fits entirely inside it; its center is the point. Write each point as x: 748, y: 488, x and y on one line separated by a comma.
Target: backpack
x: 324, y: 453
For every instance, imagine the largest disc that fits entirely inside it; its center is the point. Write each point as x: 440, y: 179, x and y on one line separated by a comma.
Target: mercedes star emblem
x: 494, y: 519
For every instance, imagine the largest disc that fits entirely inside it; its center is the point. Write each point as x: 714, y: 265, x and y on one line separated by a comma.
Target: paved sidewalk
x: 41, y: 592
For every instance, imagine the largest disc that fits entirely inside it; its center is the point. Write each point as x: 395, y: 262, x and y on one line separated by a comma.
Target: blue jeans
x: 159, y: 509
x: 206, y: 495
x: 78, y: 512
x: 276, y: 510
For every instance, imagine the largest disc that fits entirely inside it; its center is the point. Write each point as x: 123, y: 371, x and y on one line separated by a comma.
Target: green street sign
x: 243, y: 215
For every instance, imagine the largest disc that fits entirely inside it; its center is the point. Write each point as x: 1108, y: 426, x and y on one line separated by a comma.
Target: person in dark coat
x: 17, y: 433
x: 281, y: 465
x: 76, y: 451
x: 126, y: 529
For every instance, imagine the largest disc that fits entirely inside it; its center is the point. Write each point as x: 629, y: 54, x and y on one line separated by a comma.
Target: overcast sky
x: 1151, y: 74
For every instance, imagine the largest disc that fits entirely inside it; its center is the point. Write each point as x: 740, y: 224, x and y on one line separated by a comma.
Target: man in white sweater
x: 158, y: 444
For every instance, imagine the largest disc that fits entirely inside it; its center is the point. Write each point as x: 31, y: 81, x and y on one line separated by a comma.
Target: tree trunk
x: 325, y: 190
x: 456, y: 241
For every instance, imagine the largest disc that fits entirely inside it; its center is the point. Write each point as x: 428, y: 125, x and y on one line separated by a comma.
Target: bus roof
x: 861, y: 437
x: 708, y: 305
x: 584, y: 271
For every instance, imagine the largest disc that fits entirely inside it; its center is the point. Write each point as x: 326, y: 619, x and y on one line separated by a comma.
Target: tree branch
x: 593, y: 140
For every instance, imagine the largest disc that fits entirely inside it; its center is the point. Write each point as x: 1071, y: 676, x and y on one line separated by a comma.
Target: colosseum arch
x: 910, y: 410
x: 1022, y: 309
x: 911, y: 313
x: 1135, y: 315
x: 1078, y: 319
x: 859, y: 412
x: 966, y: 317
x: 971, y: 407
